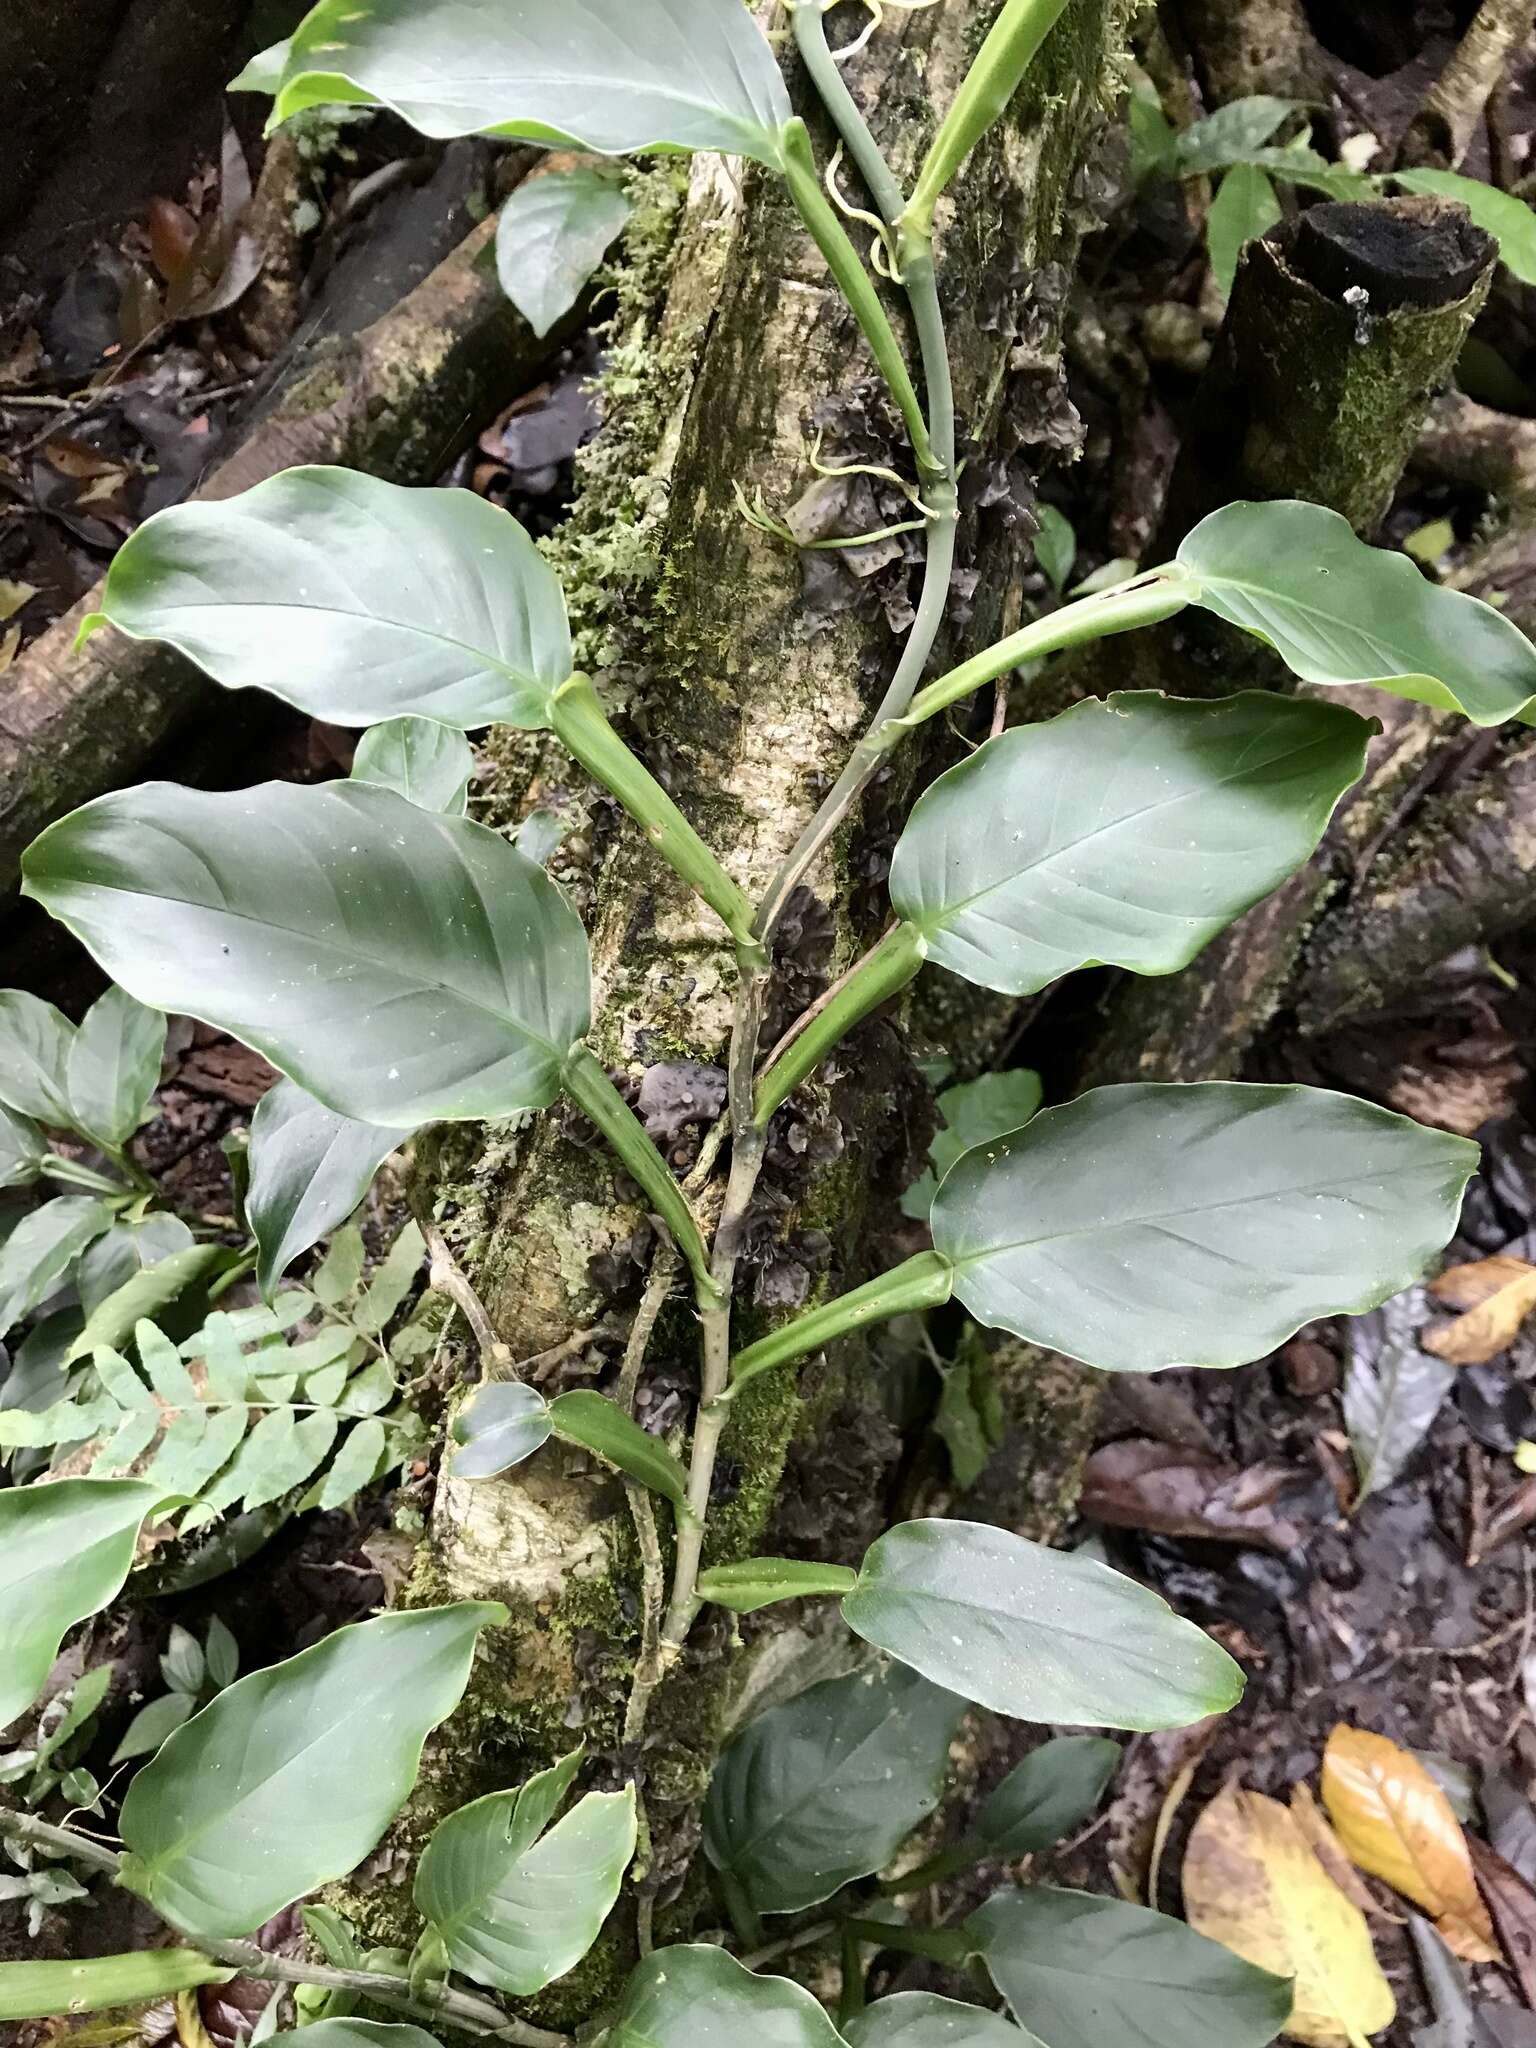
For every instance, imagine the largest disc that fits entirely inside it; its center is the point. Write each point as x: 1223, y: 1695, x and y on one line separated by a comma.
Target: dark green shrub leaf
x: 354, y: 599
x: 31, y: 1991
x: 1509, y: 220
x: 598, y: 1424
x: 1084, y: 1971
x: 35, y: 1041
x: 972, y: 1112
x: 152, y: 1724
x: 266, y: 1793
x: 513, y: 1906
x: 350, y: 2033
x: 143, y: 1294
x: 398, y: 965
x: 919, y: 2019
x: 1055, y: 1788
x: 41, y: 1249
x: 695, y: 74
x: 309, y: 1169
x: 1140, y: 827
x: 1034, y: 1632
x: 500, y: 1424
x: 1244, y: 208
x: 553, y: 233
x: 825, y: 1789
x: 127, y: 1249
x: 22, y: 1146
x: 114, y: 1067
x: 1337, y: 611
x: 65, y: 1550
x: 264, y: 73
x: 1229, y: 135
x: 1144, y: 1226
x: 699, y: 1997
x: 423, y: 760
x: 761, y: 1581
x: 1055, y: 545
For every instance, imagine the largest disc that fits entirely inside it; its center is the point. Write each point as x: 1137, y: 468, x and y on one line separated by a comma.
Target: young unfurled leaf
x: 972, y: 1112
x: 1252, y: 1883
x: 310, y: 1168
x: 1126, y: 832
x: 1495, y: 1311
x: 399, y: 965
x: 354, y: 599
x: 41, y: 1249
x: 266, y: 1793
x: 500, y: 1424
x: 1043, y: 1798
x: 553, y: 233
x: 757, y: 1582
x: 114, y: 1067
x: 35, y: 1042
x: 1337, y: 611
x: 1085, y: 1972
x: 1393, y: 1390
x: 65, y: 1550
x: 1507, y: 218
x: 1244, y: 208
x: 513, y: 1906
x: 690, y: 74
x: 920, y: 2019
x: 1034, y: 1632
x: 425, y: 761
x: 825, y: 1789
x: 45, y: 1989
x: 1144, y: 1226
x: 1397, y: 1823
x: 598, y: 1424
x: 699, y: 1997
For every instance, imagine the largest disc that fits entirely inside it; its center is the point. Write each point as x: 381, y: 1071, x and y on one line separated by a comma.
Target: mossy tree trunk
x: 743, y: 673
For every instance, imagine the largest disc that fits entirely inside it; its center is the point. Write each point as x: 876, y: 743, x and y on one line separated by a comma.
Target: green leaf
x: 152, y: 1724
x: 600, y: 1425
x: 291, y: 1775
x: 22, y: 1148
x: 699, y: 1997
x: 1055, y: 545
x: 1140, y: 827
x: 1230, y: 134
x: 392, y: 1281
x: 1154, y: 140
x: 1033, y: 1632
x: 114, y: 1067
x: 30, y: 1991
x: 500, y: 1424
x: 761, y: 1581
x: 350, y: 2033
x: 354, y: 599
x: 341, y: 1268
x: 971, y: 1113
x: 310, y: 1168
x: 42, y: 1248
x: 1509, y: 220
x: 1337, y: 611
x: 264, y: 73
x: 825, y: 1789
x: 221, y: 1654
x: 355, y: 1464
x: 1085, y: 1971
x: 127, y: 1249
x: 553, y: 233
x: 143, y: 1295
x: 1055, y: 1788
x: 425, y: 761
x: 65, y: 1550
x: 513, y: 1906
x: 35, y: 1040
x: 919, y: 2019
x: 692, y: 74
x: 399, y: 966
x: 1149, y: 1225
x: 1244, y: 208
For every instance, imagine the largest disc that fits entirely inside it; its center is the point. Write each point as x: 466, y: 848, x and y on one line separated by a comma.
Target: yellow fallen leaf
x: 1252, y: 1883
x: 1330, y: 1852
x: 1466, y: 1286
x: 13, y: 596
x: 1491, y: 1326
x: 1397, y: 1823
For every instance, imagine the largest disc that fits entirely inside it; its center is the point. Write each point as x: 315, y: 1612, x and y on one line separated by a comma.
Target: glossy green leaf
x: 264, y: 72
x: 291, y: 1775
x: 621, y: 75
x: 515, y: 1907
x: 1509, y: 220
x: 1051, y: 1792
x: 354, y: 599
x: 761, y: 1581
x: 553, y: 233
x: 41, y: 1249
x: 1085, y: 1971
x: 598, y: 1424
x: 425, y: 761
x: 920, y: 2019
x: 144, y: 1294
x: 500, y: 1424
x: 971, y: 1113
x: 398, y: 965
x: 65, y: 1549
x: 825, y: 1789
x: 1144, y: 1226
x: 35, y: 1041
x: 1229, y: 135
x: 1034, y: 1632
x: 350, y: 2033
x: 1244, y: 208
x: 699, y: 1997
x: 126, y: 1250
x: 1126, y: 832
x: 22, y: 1146
x: 114, y: 1067
x: 152, y: 1724
x: 309, y: 1169
x: 1337, y: 611
x: 31, y: 1991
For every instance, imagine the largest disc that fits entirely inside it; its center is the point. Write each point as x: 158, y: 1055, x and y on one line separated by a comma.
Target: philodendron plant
x: 401, y: 963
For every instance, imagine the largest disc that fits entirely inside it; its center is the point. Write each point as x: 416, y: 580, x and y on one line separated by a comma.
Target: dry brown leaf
x: 1513, y: 1905
x: 1396, y: 1823
x: 1469, y: 1285
x: 1330, y: 1852
x: 1492, y: 1323
x: 172, y: 237
x: 1176, y: 1794
x: 1252, y: 1883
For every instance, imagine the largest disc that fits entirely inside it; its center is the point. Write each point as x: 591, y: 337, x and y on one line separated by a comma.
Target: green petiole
x: 920, y: 1283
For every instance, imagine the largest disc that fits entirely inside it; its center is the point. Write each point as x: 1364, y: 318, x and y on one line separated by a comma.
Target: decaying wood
x: 1240, y: 47
x: 1442, y: 130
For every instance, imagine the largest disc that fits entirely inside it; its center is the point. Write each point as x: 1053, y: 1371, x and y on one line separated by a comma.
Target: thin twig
x: 446, y: 1276
x: 649, y: 1669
